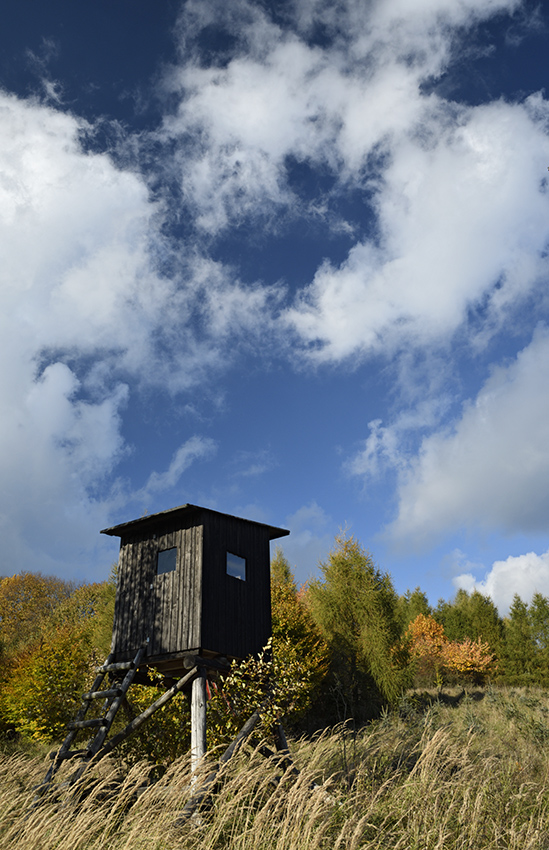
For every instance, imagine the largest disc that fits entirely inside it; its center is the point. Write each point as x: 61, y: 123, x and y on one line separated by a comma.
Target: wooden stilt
x: 114, y: 697
x: 281, y: 744
x: 198, y: 719
x: 200, y: 795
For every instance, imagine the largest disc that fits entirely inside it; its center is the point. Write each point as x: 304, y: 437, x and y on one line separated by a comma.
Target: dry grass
x: 472, y: 776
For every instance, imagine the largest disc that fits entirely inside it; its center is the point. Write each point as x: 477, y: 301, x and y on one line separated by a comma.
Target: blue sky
x: 286, y: 260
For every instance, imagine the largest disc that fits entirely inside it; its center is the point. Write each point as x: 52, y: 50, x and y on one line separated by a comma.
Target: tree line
x: 345, y: 645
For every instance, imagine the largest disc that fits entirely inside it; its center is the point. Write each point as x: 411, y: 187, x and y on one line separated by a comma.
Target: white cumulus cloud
x: 464, y: 221
x: 522, y: 574
x: 457, y: 191
x: 490, y: 471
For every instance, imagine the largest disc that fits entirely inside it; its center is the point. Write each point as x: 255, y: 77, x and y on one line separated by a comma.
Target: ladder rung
x: 86, y: 724
x: 112, y: 692
x: 70, y: 755
x: 102, y: 724
x: 112, y: 668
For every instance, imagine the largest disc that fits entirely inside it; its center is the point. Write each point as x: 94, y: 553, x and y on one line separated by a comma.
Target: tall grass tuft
x: 469, y: 774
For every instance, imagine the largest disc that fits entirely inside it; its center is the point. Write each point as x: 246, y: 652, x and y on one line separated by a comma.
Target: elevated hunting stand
x: 193, y: 592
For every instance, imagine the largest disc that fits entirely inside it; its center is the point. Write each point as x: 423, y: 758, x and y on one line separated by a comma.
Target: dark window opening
x: 236, y: 566
x: 166, y: 561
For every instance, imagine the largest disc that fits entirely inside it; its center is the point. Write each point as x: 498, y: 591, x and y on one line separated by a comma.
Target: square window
x: 166, y: 561
x: 236, y: 566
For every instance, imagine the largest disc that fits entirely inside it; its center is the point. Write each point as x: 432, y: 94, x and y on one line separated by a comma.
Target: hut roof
x: 152, y: 521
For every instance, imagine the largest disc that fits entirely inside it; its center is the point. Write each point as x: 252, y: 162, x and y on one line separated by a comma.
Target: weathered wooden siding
x: 131, y: 615
x: 236, y: 615
x: 165, y: 609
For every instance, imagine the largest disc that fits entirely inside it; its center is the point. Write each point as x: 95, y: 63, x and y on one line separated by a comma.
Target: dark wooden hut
x: 192, y: 581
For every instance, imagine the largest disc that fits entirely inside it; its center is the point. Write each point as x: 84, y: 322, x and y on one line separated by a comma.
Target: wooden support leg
x: 281, y: 744
x: 198, y: 719
x: 202, y: 792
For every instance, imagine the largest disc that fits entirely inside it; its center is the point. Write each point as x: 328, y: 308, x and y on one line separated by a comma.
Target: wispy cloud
x: 250, y: 464
x: 193, y: 449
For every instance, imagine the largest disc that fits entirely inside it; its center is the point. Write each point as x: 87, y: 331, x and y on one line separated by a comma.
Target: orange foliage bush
x: 435, y: 658
x: 426, y: 643
x: 470, y: 659
x: 426, y: 634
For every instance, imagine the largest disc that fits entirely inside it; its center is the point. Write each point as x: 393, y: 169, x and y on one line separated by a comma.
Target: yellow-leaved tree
x: 435, y: 659
x: 45, y: 677
x: 470, y: 661
x: 27, y: 600
x: 427, y: 643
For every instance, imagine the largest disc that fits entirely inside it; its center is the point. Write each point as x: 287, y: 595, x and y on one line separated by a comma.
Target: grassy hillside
x: 469, y: 772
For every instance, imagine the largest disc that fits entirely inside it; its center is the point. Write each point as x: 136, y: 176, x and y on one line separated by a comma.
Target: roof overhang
x: 151, y: 521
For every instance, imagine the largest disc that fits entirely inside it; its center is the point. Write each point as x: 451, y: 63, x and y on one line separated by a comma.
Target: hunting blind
x: 192, y: 581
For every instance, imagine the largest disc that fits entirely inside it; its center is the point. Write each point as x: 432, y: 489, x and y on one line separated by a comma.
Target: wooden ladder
x: 112, y: 699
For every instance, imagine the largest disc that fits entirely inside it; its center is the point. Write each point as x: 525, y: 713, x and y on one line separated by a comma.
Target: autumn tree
x: 426, y: 643
x: 355, y: 607
x: 471, y: 661
x: 435, y: 659
x: 92, y: 605
x: 47, y: 675
x: 47, y: 682
x: 26, y: 602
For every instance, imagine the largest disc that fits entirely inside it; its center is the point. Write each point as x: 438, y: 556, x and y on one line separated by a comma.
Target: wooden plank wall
x: 236, y: 615
x: 164, y: 608
x: 177, y: 596
x: 131, y: 614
